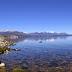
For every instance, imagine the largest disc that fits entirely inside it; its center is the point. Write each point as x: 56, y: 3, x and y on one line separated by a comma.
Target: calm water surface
x: 40, y: 52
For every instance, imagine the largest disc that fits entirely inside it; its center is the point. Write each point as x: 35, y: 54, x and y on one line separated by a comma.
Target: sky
x: 36, y: 15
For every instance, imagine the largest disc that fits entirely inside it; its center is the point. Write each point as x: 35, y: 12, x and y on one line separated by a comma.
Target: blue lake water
x: 40, y: 52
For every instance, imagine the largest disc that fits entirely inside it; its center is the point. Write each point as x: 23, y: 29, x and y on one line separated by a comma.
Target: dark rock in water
x: 40, y: 42
x: 53, y: 64
x: 24, y: 64
x: 2, y: 52
x: 16, y: 49
x: 24, y: 67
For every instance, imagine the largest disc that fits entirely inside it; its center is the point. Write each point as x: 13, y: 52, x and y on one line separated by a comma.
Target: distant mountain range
x: 21, y: 35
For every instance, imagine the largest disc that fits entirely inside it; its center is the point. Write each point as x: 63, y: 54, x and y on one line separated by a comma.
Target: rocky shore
x: 5, y: 46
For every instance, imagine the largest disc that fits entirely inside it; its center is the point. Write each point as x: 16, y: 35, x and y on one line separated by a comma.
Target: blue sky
x: 36, y: 15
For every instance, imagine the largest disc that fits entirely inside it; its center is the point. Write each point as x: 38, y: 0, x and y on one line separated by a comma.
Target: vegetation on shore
x: 5, y: 44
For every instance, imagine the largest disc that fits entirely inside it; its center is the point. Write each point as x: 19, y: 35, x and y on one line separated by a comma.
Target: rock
x: 2, y: 64
x: 16, y: 49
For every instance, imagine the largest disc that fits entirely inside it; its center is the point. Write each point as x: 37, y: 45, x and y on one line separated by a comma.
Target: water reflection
x: 50, y: 39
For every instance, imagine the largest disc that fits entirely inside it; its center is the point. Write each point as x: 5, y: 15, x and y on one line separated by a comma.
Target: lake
x: 40, y: 54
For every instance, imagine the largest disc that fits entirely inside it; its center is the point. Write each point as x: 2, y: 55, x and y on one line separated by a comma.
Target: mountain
x: 20, y: 35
